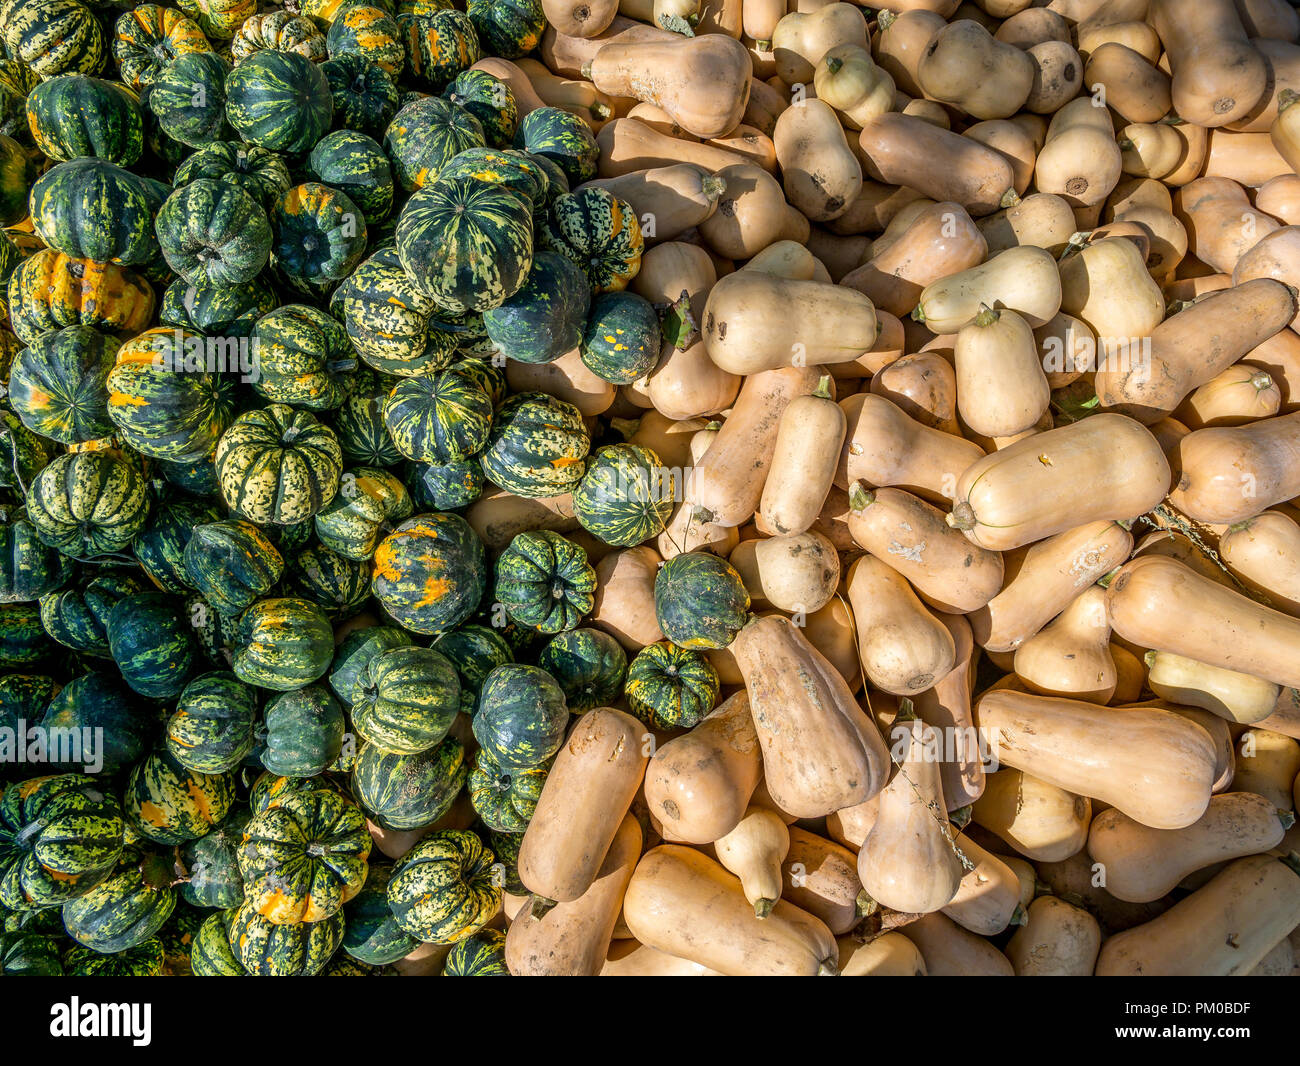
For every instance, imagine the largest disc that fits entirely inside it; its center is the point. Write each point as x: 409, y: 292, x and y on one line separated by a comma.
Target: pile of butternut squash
x: 993, y: 401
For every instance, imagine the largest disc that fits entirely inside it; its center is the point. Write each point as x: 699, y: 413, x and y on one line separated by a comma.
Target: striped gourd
x: 371, y: 934
x: 318, y: 236
x: 212, y: 863
x: 625, y: 496
x: 341, y: 586
x: 448, y: 486
x: 489, y: 100
x: 153, y: 643
x: 232, y: 563
x: 29, y: 568
x: 357, y: 519
x: 51, y: 290
x: 78, y: 617
x: 351, y: 666
x: 168, y: 804
x: 670, y: 687
x: 54, y: 37
x: 214, y: 231
x: 261, y: 173
x: 104, y: 705
x: 188, y: 99
x: 589, y: 664
x: 402, y: 792
x: 544, y: 581
x: 475, y: 651
x: 210, y: 952
x: 214, y: 725
x: 216, y: 310
x: 546, y: 318
x: 278, y: 31
x: 90, y: 208
x: 73, y: 115
x: 508, y: 28
x: 149, y: 37
x: 146, y: 959
x: 357, y: 166
x: 480, y: 955
x: 303, y: 358
x: 443, y: 890
x: 365, y: 95
x: 439, y: 45
x: 363, y: 436
x: 562, y: 137
x: 88, y: 503
x: 537, y: 446
x: 700, y: 601
x: 282, y: 644
x: 441, y: 417
x: 298, y: 949
x: 278, y: 466
x: 431, y: 572
x: 426, y: 135
x: 219, y: 19
x: 279, y: 100
x: 303, y: 732
x: 522, y: 716
x: 622, y: 340
x: 160, y: 547
x: 371, y: 32
x: 408, y: 700
x: 58, y: 385
x: 505, y: 798
x: 599, y: 232
x: 125, y: 909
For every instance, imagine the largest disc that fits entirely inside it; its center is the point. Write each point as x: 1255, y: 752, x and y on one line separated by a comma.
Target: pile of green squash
x: 255, y: 577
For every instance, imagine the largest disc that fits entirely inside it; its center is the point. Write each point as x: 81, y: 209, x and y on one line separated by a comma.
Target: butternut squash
x: 820, y: 751
x: 1242, y: 393
x: 1228, y: 474
x: 1237, y: 697
x: 683, y: 903
x: 1218, y: 77
x: 1107, y: 285
x: 988, y: 899
x: 1220, y: 221
x: 687, y: 384
x: 587, y: 792
x: 947, y: 708
x: 1149, y: 149
x: 1071, y: 656
x: 754, y: 851
x: 1001, y: 387
x: 801, y: 39
x: 1155, y: 766
x: 1057, y: 940
x: 848, y: 79
x: 1264, y: 552
x: 1280, y: 197
x: 902, y: 38
x: 624, y: 597
x: 1043, y: 220
x: 1267, y: 764
x: 575, y: 95
x: 667, y: 200
x: 808, y: 440
x: 1041, y: 821
x: 821, y: 877
x: 888, y: 955
x: 1032, y: 26
x: 852, y: 825
x: 1080, y: 160
x: 580, y: 18
x: 566, y: 56
x: 951, y: 951
x: 698, y: 784
x: 966, y: 67
x: 749, y: 215
x: 1250, y: 158
x: 628, y: 145
x: 821, y: 175
x: 923, y: 386
x: 627, y: 958
x: 797, y: 573
x: 1068, y: 349
x: 1058, y: 76
x: 1022, y: 279
x: 567, y: 378
x: 497, y: 516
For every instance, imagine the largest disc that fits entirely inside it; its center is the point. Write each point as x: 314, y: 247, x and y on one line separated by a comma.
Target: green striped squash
x: 402, y: 792
x: 357, y: 166
x: 29, y: 954
x: 475, y: 651
x: 546, y: 318
x: 298, y: 949
x: 147, y: 959
x: 670, y: 687
x: 508, y: 28
x: 302, y: 859
x: 341, y: 586
x: 160, y: 547
x: 443, y: 890
x: 54, y: 37
x: 23, y: 643
x: 365, y: 95
x: 449, y: 486
x: 232, y: 563
x: 214, y: 231
x: 16, y: 81
x: 304, y: 358
x: 73, y: 115
x: 268, y: 789
x: 219, y: 19
x: 439, y: 45
x: 278, y: 31
x: 149, y: 37
x: 100, y: 702
x: 212, y: 865
x: 408, y: 700
x: 78, y: 617
x: 481, y: 955
x: 188, y: 99
x: 371, y: 934
x: 700, y: 601
x: 544, y: 581
x: 59, y: 836
x: 358, y: 518
x: 589, y: 664
x: 214, y: 725
x: 490, y: 101
x: 362, y: 433
x: 625, y: 496
x: 278, y: 466
x: 17, y: 173
x: 440, y: 417
x: 57, y: 386
x: 522, y: 716
x: 372, y: 32
x: 167, y: 804
x: 29, y: 568
x: 215, y: 310
x: 91, y: 209
x: 599, y: 232
x: 23, y: 698
x: 280, y: 101
x: 318, y: 237
x: 261, y: 173
x: 622, y: 339
x: 519, y: 172
x: 425, y: 136
x: 505, y: 799
x: 351, y: 667
x: 467, y: 244
x: 431, y: 572
x: 125, y: 909
x: 561, y: 137
x: 537, y: 446
x: 303, y: 732
x: 282, y: 644
x: 210, y: 952
x: 505, y: 846
x: 88, y: 504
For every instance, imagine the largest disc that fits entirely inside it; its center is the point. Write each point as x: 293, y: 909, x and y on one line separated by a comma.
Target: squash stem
x: 834, y: 64
x: 1286, y: 98
x: 860, y: 498
x: 884, y: 20
x: 865, y: 905
x: 987, y: 316
x: 586, y: 70
x: 829, y: 968
x: 1292, y: 862
x: 1019, y: 916
x: 713, y: 186
x: 762, y: 46
x: 540, y: 906
x: 1287, y: 818
x: 1010, y: 198
x: 763, y: 907
x: 962, y: 517
x: 823, y: 389
x: 960, y: 818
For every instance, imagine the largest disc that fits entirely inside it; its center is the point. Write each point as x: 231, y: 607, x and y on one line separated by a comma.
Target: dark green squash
x: 522, y: 716
x: 505, y: 799
x: 29, y: 954
x: 626, y: 495
x: 282, y: 644
x: 318, y: 237
x: 303, y: 358
x: 212, y: 866
x: 88, y: 504
x: 357, y: 166
x: 367, y: 31
x: 490, y: 101
x: 440, y: 417
x: 73, y: 115
x: 508, y: 28
x: 152, y: 641
x: 17, y: 173
x: 23, y: 699
x: 406, y: 701
x: 214, y: 725
x: 431, y: 572
x: 125, y: 909
x: 59, y: 836
x: 443, y: 890
x: 402, y: 792
x: 302, y: 859
x: 55, y: 37
x: 258, y: 171
x: 77, y: 617
x: 589, y: 664
x: 168, y: 804
x: 160, y: 547
x: 372, y: 935
x: 475, y: 651
x: 278, y: 466
x: 91, y: 209
x: 449, y: 486
x: 279, y: 100
x: 670, y: 687
x: 505, y: 846
x: 232, y: 563
x: 214, y: 231
x: 57, y: 385
x: 146, y: 959
x: 216, y: 310
x: 149, y: 37
x: 546, y: 318
x: 425, y: 136
x: 623, y: 339
x: 359, y: 517
x: 362, y: 433
x: 16, y: 81
x: 23, y: 643
x: 562, y: 137
x: 439, y: 45
x: 188, y: 98
x: 304, y: 732
x: 299, y: 949
x: 537, y: 446
x: 700, y: 601
x: 599, y: 232
x: 210, y: 952
x: 108, y: 709
x: 351, y: 665
x: 29, y: 568
x: 468, y: 244
x: 341, y: 586
x: 544, y: 580
x: 365, y: 95
x: 480, y: 955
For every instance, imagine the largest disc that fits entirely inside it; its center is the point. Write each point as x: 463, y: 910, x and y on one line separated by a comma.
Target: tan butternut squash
x: 808, y: 440
x: 670, y: 439
x: 1043, y: 220
x: 848, y: 79
x: 627, y: 958
x: 575, y: 95
x: 749, y: 215
x: 1228, y: 474
x: 1218, y: 77
x: 1058, y: 75
x: 567, y: 55
x: 965, y: 66
x: 628, y: 145
x: 1032, y: 26
x: 1267, y: 764
x: 951, y: 951
x: 1107, y: 285
x: 1149, y: 149
x: 902, y: 38
x: 580, y: 18
x: 497, y: 516
x: 947, y: 708
x: 988, y: 899
x: 1280, y: 197
x: 687, y: 384
x: 624, y: 598
x: 923, y: 386
x: 797, y: 573
x: 1071, y: 656
x: 1057, y: 940
x: 1234, y: 696
x: 1250, y: 158
x: 821, y: 175
x: 1264, y: 552
x: 1242, y: 393
x: 1220, y: 221
x: 1022, y: 279
x: 1001, y: 387
x: 1041, y: 821
x: 800, y: 39
x: 1080, y: 160
x: 1068, y: 349
x: 821, y: 877
x: 888, y: 955
x: 687, y: 531
x: 567, y: 378
x: 754, y: 851
x: 852, y: 825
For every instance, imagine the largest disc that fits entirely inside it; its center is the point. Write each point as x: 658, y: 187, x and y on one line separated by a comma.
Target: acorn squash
x: 670, y: 687
x: 431, y: 572
x: 537, y: 446
x: 443, y: 890
x: 522, y: 716
x: 214, y: 725
x: 403, y: 792
x: 282, y: 644
x: 168, y: 804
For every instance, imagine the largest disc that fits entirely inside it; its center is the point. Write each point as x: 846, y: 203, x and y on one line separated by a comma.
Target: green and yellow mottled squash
x: 212, y: 865
x: 589, y: 664
x: 125, y: 909
x: 160, y: 547
x: 16, y: 81
x: 426, y: 135
x: 23, y: 698
x: 104, y: 705
x: 537, y: 446
x: 443, y: 890
x: 505, y: 799
x: 278, y: 31
x: 519, y: 172
x: 188, y: 98
x: 372, y: 935
x: 29, y: 954
x: 439, y: 45
x: 219, y: 19
x: 88, y: 504
x: 467, y: 244
x: 77, y: 617
x: 600, y: 233
x: 54, y: 37
x: 152, y: 641
x: 407, y: 701
x: 303, y: 858
x: 700, y: 601
x: 168, y: 804
x: 51, y: 290
x: 23, y: 642
x: 670, y: 687
x: 562, y: 137
x: 505, y: 846
x: 59, y: 836
x: 278, y: 466
x: 304, y: 358
x: 166, y: 398
x: 543, y: 580
x: 146, y: 959
x: 213, y: 231
x: 216, y: 310
x: 340, y: 585
x: 318, y: 237
x: 58, y: 385
x: 299, y: 949
x: 362, y: 433
x: 365, y: 95
x: 90, y: 208
x: 448, y: 486
x: 232, y: 563
x: 625, y: 496
x: 303, y: 732
x: 475, y: 651
x: 279, y: 100
x: 508, y: 28
x: 29, y: 568
x: 17, y: 173
x: 149, y: 37
x: 210, y: 952
x: 622, y: 339
x: 357, y: 166
x: 431, y: 572
x: 480, y: 955
x: 490, y: 101
x: 403, y: 792
x: 359, y: 517
x: 261, y: 173
x: 352, y: 660
x: 522, y: 716
x: 282, y: 644
x: 440, y: 417
x: 370, y: 32
x: 546, y: 318
x: 214, y: 725
x: 73, y: 115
